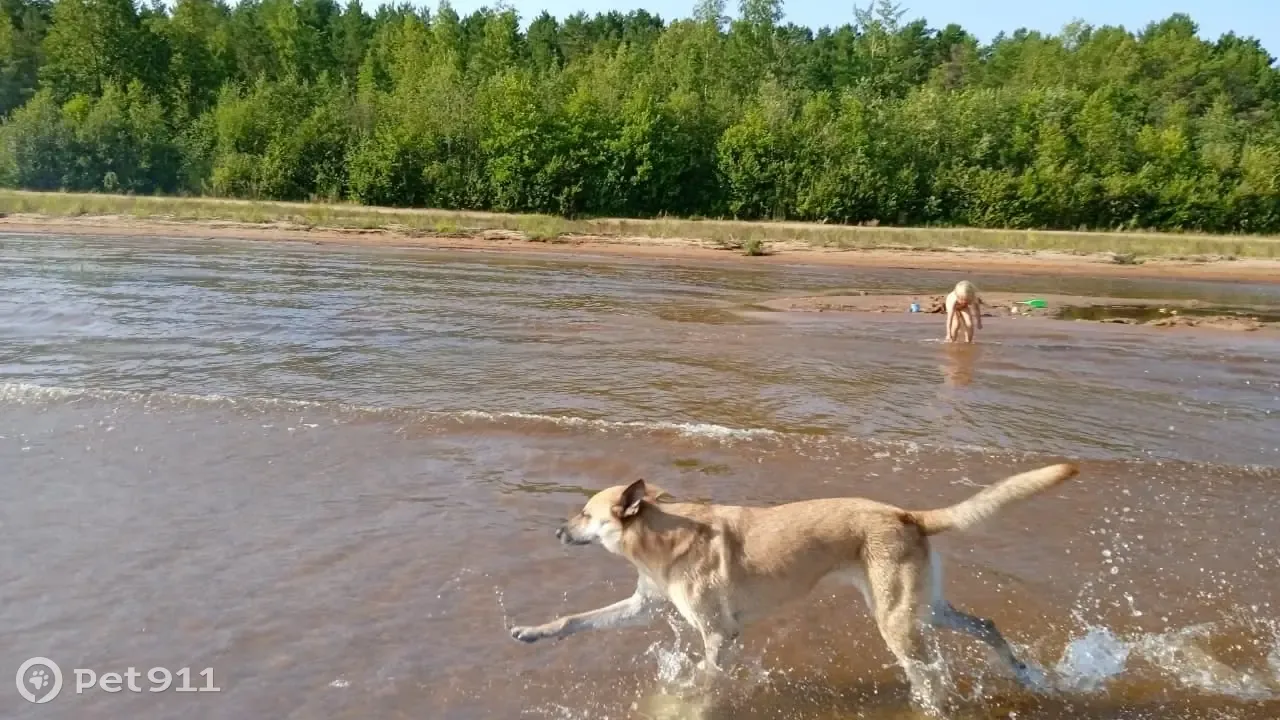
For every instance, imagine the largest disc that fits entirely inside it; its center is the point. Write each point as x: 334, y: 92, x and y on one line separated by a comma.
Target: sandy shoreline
x: 959, y: 259
x: 1156, y: 313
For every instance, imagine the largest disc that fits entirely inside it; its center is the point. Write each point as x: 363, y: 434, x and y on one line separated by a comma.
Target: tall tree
x: 23, y: 24
x: 885, y: 119
x: 90, y: 44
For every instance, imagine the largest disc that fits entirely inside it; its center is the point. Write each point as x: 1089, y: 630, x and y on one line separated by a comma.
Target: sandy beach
x: 676, y: 248
x: 1153, y: 313
x: 1157, y: 313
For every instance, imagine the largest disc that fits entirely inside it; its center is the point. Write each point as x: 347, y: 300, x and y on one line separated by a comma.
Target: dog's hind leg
x: 942, y: 614
x: 897, y: 601
x: 945, y: 615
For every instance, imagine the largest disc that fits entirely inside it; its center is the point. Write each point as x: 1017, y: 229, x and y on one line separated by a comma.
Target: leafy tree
x: 23, y: 24
x: 882, y: 120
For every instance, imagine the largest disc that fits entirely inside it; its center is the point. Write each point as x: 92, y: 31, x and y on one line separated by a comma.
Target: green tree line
x: 879, y: 120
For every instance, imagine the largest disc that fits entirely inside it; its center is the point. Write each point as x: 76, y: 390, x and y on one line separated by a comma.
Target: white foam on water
x: 28, y: 394
x: 564, y: 712
x: 676, y: 665
x: 1273, y: 657
x: 903, y: 450
x: 944, y: 341
x: 1091, y: 660
x: 710, y: 430
x: 1099, y: 656
x: 1180, y: 655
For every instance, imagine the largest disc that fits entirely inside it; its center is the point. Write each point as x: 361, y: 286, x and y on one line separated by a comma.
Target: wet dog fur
x: 722, y: 566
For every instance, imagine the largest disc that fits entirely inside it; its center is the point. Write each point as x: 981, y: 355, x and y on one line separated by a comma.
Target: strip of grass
x: 1126, y: 247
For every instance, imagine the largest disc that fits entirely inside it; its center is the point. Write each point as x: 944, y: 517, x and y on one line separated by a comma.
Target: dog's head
x: 607, y: 514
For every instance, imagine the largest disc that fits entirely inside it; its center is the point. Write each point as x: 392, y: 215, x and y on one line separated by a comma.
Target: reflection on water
x: 1144, y: 313
x: 960, y: 361
x: 334, y: 476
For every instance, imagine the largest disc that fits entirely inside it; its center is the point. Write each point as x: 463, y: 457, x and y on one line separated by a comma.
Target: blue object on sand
x: 915, y: 307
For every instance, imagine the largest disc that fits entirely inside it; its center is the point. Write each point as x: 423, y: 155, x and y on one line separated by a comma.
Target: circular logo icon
x: 39, y: 680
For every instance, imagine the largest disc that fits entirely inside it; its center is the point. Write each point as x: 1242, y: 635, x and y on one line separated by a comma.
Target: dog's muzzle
x: 565, y: 536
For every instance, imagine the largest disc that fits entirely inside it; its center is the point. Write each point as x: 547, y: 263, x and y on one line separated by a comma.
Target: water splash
x: 1181, y: 655
x: 675, y: 663
x: 1097, y: 658
x: 1090, y: 661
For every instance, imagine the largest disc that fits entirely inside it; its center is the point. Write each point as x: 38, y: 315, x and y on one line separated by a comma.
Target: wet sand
x: 1159, y: 313
x: 685, y: 249
x: 333, y: 474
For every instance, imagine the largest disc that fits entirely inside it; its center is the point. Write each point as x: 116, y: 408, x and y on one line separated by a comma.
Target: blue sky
x: 983, y: 18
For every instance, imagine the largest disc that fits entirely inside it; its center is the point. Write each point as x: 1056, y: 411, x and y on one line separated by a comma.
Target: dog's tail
x: 989, y: 501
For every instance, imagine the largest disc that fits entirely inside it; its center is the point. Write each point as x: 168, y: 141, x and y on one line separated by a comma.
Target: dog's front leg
x: 718, y: 647
x: 635, y: 610
x: 720, y: 630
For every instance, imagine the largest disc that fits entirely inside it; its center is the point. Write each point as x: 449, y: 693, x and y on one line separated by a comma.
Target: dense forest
x: 882, y: 119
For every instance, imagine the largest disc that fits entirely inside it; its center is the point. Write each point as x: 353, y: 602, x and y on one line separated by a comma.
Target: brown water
x: 333, y: 475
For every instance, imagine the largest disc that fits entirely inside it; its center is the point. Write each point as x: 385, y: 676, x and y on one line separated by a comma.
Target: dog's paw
x: 1032, y: 678
x: 527, y: 634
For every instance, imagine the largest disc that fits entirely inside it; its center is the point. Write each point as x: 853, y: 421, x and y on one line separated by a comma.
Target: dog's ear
x: 632, y: 497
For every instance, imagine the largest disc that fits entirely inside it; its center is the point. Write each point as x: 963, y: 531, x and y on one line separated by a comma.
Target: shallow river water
x: 333, y: 474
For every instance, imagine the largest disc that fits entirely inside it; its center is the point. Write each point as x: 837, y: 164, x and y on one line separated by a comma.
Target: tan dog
x: 964, y: 308
x: 725, y: 566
